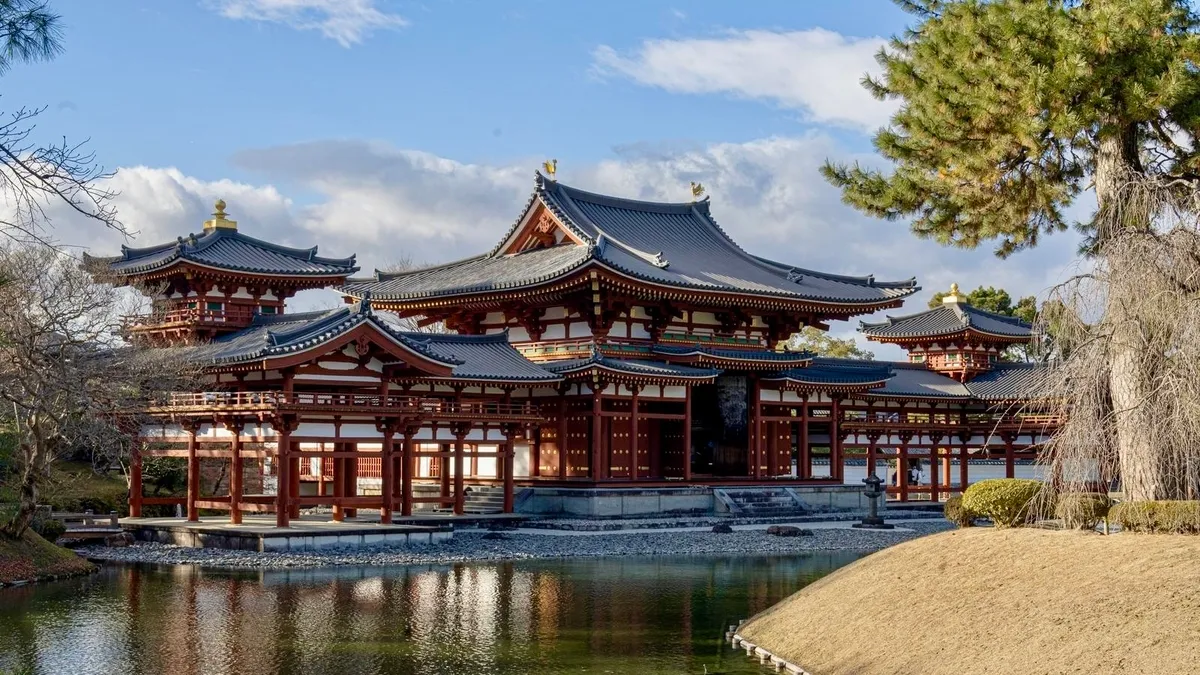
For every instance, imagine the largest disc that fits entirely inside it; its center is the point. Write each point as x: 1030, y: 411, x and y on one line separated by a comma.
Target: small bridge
x: 88, y: 525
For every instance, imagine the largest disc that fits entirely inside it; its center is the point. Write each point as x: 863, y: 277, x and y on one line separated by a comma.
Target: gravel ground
x: 475, y: 545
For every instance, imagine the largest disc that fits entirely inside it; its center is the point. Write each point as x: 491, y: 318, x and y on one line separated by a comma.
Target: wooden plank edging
x: 765, y: 657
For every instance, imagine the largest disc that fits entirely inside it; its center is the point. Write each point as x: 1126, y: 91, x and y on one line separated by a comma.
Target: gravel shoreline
x: 478, y: 545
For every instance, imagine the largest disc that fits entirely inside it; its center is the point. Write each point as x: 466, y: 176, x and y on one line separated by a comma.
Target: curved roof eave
x: 876, y: 303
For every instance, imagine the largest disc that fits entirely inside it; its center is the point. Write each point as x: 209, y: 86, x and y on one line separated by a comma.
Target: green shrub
x: 1082, y: 511
x: 50, y: 530
x: 1165, y: 517
x: 958, y: 515
x: 1007, y: 502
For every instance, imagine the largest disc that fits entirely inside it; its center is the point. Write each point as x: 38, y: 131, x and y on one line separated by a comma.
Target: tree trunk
x: 1146, y: 473
x: 27, y: 505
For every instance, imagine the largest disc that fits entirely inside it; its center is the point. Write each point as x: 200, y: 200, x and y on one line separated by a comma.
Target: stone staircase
x: 761, y: 503
x: 480, y: 499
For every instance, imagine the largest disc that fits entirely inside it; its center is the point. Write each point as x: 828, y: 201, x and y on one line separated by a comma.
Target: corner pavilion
x: 602, y: 342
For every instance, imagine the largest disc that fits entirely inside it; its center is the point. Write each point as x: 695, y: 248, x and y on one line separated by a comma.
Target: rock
x: 494, y: 535
x: 788, y: 531
x: 120, y: 540
x: 722, y: 528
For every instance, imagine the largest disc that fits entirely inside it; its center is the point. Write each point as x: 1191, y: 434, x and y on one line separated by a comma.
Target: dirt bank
x: 999, y: 601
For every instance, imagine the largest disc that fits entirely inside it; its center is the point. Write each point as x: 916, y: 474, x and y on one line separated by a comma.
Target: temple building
x: 601, y: 343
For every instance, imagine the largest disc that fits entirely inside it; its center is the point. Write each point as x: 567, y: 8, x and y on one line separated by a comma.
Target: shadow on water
x: 606, y: 615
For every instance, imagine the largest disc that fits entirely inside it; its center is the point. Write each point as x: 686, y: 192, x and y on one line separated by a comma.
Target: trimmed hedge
x: 1163, y: 517
x: 958, y: 515
x: 1082, y: 510
x: 1006, y: 501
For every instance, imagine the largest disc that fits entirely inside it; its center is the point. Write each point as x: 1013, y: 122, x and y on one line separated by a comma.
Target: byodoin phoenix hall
x: 607, y: 356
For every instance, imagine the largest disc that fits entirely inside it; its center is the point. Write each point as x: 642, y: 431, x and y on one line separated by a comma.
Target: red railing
x: 958, y: 361
x: 237, y: 315
x: 260, y: 400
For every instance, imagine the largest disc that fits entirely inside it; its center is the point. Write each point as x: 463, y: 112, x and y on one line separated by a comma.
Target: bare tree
x: 37, y: 177
x: 415, y: 324
x: 67, y: 380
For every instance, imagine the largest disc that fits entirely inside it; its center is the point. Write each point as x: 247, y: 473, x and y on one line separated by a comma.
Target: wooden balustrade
x: 210, y: 401
x: 235, y: 315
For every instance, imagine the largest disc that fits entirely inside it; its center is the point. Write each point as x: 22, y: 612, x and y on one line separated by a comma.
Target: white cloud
x: 386, y: 203
x: 347, y: 21
x: 814, y: 71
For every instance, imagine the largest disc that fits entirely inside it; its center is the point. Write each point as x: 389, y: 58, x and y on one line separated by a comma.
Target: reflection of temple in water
x: 543, y: 616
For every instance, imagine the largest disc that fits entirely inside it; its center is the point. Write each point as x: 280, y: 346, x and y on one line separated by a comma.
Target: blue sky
x: 412, y: 129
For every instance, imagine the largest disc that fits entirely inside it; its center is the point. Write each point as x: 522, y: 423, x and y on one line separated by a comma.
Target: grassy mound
x: 998, y: 601
x: 31, y: 558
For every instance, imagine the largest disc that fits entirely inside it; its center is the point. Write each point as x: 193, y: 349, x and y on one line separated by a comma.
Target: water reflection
x: 619, y: 615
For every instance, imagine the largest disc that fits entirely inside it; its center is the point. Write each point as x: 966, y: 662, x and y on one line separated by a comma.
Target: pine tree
x: 1010, y: 109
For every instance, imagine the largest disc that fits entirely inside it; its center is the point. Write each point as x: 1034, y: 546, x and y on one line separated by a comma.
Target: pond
x: 589, y: 615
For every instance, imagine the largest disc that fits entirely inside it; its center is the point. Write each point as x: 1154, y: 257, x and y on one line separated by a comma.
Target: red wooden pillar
x: 283, y: 443
x: 460, y: 497
x: 562, y: 433
x: 351, y: 464
x: 193, y: 477
x: 598, y: 444
x: 509, y: 484
x: 410, y: 467
x: 633, y: 433
x: 135, y: 479
x: 235, y: 475
x: 387, y: 479
x: 294, y: 490
x: 687, y: 433
x: 339, y: 484
x: 902, y: 468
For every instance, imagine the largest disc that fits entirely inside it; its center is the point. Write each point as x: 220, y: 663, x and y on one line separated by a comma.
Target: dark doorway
x: 720, y: 435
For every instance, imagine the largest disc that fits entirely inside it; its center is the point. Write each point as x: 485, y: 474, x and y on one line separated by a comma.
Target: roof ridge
x: 309, y: 253
x: 268, y: 319
x: 381, y: 276
x: 1008, y: 318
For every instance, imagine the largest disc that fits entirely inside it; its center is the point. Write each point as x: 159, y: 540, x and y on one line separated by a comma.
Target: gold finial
x: 219, y: 220
x: 697, y: 190
x: 953, y: 296
x: 550, y: 167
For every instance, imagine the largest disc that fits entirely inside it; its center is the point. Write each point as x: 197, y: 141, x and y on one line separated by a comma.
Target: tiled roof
x: 833, y: 374
x: 280, y: 334
x: 948, y: 319
x: 483, y: 357
x: 631, y: 367
x: 228, y: 250
x: 672, y: 244
x: 473, y: 275
x: 1009, y: 382
x: 472, y: 357
x: 721, y: 353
